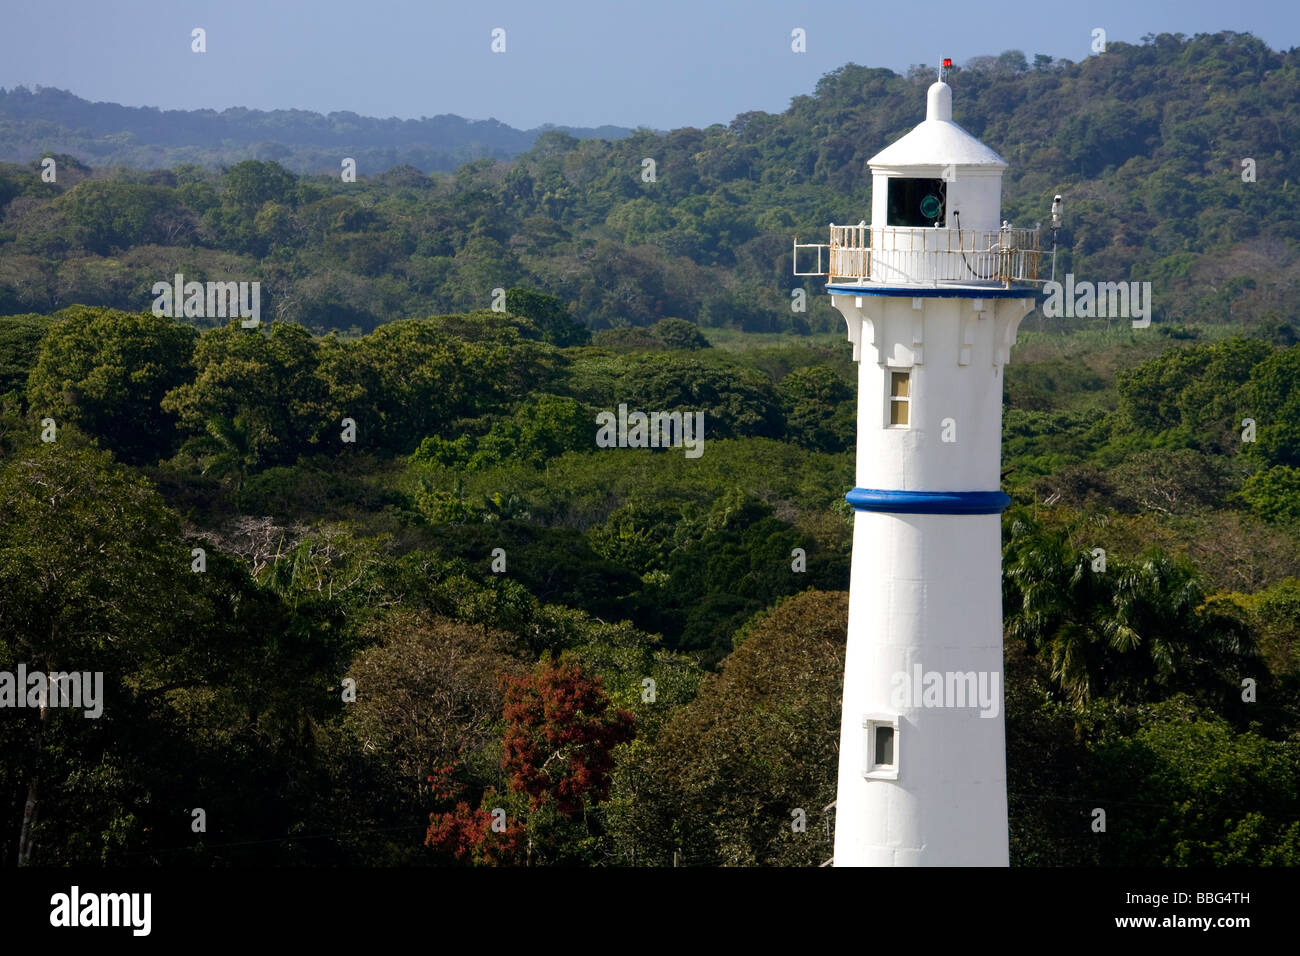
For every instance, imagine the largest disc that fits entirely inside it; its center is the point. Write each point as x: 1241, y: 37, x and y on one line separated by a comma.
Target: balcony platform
x: 905, y: 257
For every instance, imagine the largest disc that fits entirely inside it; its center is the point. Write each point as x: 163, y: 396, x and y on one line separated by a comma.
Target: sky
x: 656, y: 63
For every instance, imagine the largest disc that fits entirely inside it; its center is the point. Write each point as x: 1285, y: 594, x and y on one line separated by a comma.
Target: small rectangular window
x: 900, y: 397
x: 884, y: 749
x: 880, y: 746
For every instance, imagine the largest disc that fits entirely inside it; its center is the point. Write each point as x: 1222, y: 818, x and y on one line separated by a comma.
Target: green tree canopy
x: 20, y: 344
x: 267, y: 379
x: 820, y: 408
x: 551, y: 316
x: 94, y: 580
x: 679, y: 334
x: 108, y: 371
x: 725, y: 774
x: 1187, y: 789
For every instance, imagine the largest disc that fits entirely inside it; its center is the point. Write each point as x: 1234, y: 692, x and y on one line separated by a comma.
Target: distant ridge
x: 49, y: 120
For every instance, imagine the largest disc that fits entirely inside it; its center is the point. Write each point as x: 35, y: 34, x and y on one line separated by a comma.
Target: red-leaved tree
x: 468, y: 833
x: 561, y: 731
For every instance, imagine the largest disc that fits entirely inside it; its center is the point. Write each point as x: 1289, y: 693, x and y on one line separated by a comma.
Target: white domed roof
x: 938, y: 141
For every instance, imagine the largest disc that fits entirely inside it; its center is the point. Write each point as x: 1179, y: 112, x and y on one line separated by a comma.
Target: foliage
x: 635, y: 587
x: 20, y: 339
x: 550, y: 315
x: 1131, y: 138
x: 1123, y: 629
x: 1274, y: 494
x: 107, y: 372
x: 266, y: 380
x: 542, y: 428
x: 561, y: 731
x: 679, y: 334
x: 426, y: 691
x: 1187, y: 789
x: 721, y: 781
x: 558, y: 753
x: 820, y: 409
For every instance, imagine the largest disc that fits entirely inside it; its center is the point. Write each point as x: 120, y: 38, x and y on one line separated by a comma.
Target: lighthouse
x: 933, y: 290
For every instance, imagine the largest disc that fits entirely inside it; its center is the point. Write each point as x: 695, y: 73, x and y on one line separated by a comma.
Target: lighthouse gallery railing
x: 923, y: 256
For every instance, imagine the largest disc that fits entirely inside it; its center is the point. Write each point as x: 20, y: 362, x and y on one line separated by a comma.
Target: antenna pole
x: 1056, y: 224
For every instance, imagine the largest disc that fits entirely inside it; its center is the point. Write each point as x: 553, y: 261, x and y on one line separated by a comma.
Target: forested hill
x: 1145, y: 142
x: 106, y: 134
x: 346, y: 592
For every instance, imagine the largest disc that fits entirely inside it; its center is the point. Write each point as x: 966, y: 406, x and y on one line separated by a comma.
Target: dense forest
x: 1145, y: 143
x: 37, y: 122
x: 366, y: 590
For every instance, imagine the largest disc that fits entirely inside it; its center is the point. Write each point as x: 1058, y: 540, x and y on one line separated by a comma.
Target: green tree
x: 542, y: 428
x: 94, y: 580
x: 819, y: 407
x: 1193, y: 397
x: 414, y: 378
x: 107, y: 372
x: 107, y: 216
x: 1188, y: 789
x: 679, y: 334
x: 252, y: 183
x: 735, y: 401
x: 1276, y: 615
x: 726, y: 565
x: 20, y: 344
x: 266, y: 380
x: 724, y: 776
x: 1137, y: 629
x: 1275, y: 406
x: 228, y: 450
x: 1273, y: 493
x: 551, y: 316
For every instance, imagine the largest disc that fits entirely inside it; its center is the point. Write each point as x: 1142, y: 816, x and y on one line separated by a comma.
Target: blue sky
x: 658, y: 63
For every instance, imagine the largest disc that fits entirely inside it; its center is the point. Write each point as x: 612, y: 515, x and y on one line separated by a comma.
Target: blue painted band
x: 929, y: 502
x: 929, y: 292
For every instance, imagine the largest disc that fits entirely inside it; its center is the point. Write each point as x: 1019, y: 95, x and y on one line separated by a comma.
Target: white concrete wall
x: 955, y: 353
x: 926, y: 589
x: 977, y: 195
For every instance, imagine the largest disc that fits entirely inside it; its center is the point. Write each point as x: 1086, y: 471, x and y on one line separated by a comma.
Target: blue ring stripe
x: 929, y: 502
x: 930, y: 292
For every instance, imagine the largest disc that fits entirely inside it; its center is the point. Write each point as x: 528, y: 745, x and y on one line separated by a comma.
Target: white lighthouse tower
x: 933, y: 291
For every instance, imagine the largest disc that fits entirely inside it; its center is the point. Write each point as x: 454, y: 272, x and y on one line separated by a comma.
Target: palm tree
x: 1056, y: 603
x: 229, y: 449
x: 499, y: 507
x: 1138, y: 629
x: 1188, y: 643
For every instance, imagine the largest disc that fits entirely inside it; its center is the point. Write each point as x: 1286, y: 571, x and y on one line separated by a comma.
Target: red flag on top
x: 947, y: 63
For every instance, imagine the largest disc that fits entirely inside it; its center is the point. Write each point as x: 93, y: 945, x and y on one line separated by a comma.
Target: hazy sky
x: 658, y: 63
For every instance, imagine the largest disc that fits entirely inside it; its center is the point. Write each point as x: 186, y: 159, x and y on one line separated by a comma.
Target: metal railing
x: 924, y: 256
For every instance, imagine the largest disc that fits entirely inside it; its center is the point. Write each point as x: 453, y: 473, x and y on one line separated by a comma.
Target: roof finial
x: 943, y: 70
x: 938, y: 102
